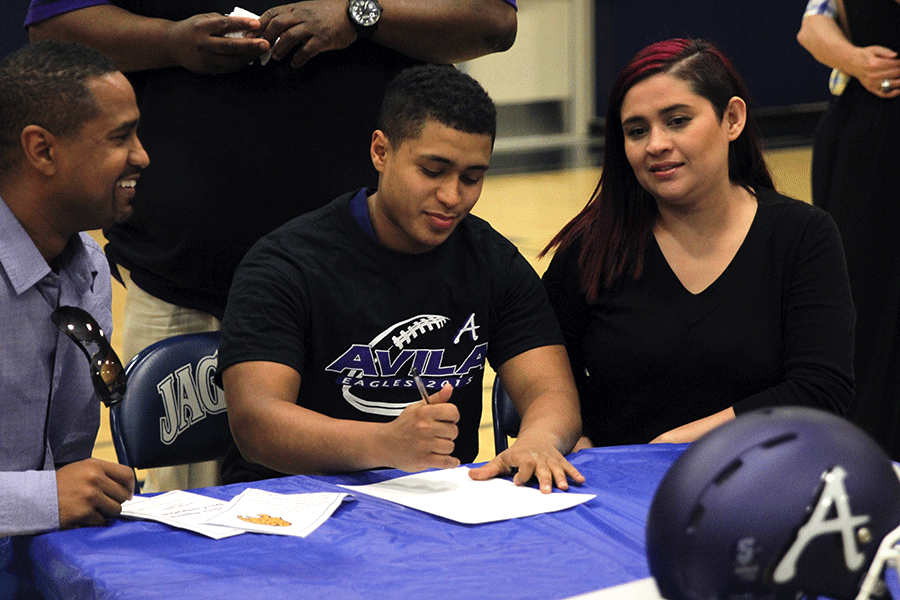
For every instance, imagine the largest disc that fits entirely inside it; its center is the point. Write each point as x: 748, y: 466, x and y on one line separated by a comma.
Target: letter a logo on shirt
x: 833, y: 498
x: 470, y: 326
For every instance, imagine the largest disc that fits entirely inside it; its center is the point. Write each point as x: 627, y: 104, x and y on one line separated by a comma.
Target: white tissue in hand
x: 241, y: 12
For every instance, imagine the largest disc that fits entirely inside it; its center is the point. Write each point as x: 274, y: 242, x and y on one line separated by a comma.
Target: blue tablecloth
x: 371, y: 548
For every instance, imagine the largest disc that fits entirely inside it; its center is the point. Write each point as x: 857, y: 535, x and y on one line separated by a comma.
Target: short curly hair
x: 438, y: 92
x: 46, y: 84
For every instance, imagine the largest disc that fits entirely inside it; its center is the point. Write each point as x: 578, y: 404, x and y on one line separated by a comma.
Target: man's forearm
x: 446, y: 31
x: 440, y: 31
x: 555, y: 416
x: 272, y: 430
x: 133, y: 41
x: 540, y: 383
x: 293, y: 440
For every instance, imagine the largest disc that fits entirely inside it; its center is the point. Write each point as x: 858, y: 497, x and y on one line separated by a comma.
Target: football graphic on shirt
x: 401, y: 334
x: 376, y: 378
x: 392, y: 345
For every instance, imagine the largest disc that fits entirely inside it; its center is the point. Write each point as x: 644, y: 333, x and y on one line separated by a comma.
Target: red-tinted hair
x: 614, y: 226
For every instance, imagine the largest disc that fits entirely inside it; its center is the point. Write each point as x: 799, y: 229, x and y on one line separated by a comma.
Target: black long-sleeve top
x: 775, y: 328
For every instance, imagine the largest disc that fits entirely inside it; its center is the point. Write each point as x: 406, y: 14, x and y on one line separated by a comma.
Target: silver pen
x: 419, y: 384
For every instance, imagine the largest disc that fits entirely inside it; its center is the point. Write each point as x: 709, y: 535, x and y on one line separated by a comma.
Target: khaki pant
x: 149, y: 320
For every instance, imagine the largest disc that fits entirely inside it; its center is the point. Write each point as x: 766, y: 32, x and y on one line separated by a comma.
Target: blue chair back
x: 506, y: 418
x: 173, y: 412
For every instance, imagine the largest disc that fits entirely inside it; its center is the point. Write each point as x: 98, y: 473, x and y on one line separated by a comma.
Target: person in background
x: 242, y: 147
x: 687, y: 289
x: 824, y: 36
x: 69, y: 161
x: 820, y: 16
x: 332, y: 316
x: 855, y: 178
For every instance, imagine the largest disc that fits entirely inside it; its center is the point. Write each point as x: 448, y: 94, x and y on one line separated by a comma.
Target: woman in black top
x: 688, y: 290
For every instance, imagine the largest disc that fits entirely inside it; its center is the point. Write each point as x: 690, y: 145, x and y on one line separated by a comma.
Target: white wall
x: 552, y: 59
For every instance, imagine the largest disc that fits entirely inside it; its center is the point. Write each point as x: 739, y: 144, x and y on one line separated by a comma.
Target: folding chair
x: 173, y: 412
x: 506, y: 418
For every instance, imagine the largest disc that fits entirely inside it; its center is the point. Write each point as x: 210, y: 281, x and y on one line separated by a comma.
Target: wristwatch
x: 364, y: 15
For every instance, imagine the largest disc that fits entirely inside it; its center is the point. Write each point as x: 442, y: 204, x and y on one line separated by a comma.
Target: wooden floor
x: 529, y: 209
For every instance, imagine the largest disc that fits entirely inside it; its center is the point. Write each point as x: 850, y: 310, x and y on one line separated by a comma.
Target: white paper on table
x: 452, y: 494
x: 184, y: 510
x: 279, y: 514
x: 641, y: 589
x: 242, y: 12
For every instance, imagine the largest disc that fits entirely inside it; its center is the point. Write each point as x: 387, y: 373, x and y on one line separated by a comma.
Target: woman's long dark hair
x: 617, y: 221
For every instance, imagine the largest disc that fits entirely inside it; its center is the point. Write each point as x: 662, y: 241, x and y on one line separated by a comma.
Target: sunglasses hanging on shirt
x: 107, y: 372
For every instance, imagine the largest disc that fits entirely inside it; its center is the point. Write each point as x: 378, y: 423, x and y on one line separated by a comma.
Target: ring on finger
x: 886, y: 86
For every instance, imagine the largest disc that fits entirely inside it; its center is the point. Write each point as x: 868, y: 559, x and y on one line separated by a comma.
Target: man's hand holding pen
x: 422, y: 436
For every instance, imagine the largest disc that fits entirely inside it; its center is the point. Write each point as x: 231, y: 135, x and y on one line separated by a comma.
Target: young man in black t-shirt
x: 331, y: 315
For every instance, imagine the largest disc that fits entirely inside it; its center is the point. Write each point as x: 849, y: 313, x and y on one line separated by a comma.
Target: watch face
x: 365, y: 12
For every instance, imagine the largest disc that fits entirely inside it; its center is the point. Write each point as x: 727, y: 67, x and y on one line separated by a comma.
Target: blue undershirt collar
x: 359, y: 208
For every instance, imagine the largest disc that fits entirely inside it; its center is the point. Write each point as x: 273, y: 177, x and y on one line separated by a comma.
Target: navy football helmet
x: 777, y: 504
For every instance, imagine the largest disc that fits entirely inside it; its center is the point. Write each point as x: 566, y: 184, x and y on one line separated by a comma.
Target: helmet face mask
x: 775, y: 504
x: 885, y: 570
